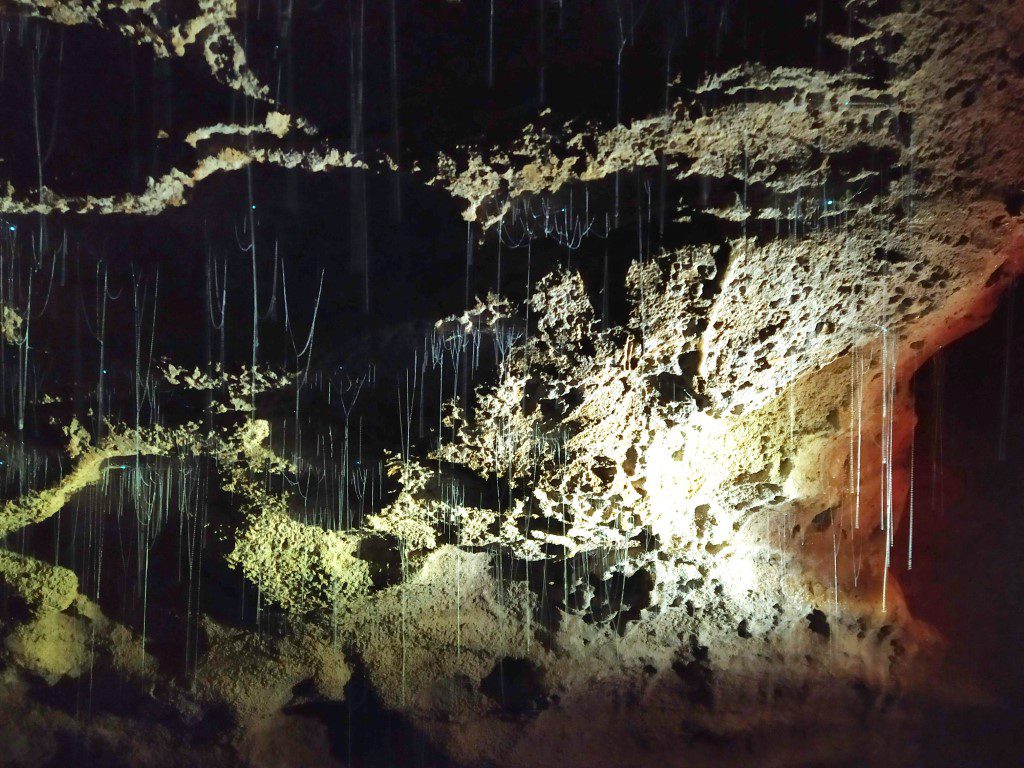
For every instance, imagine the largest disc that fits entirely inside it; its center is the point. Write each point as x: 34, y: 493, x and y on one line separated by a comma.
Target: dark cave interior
x: 374, y: 261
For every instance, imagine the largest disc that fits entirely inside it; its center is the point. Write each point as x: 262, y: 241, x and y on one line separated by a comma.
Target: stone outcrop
x: 692, y: 529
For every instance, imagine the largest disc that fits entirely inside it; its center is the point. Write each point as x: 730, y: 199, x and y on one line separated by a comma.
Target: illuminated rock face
x: 774, y: 472
x: 690, y: 543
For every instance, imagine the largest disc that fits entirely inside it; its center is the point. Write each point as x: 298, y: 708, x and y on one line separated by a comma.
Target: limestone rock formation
x: 664, y: 534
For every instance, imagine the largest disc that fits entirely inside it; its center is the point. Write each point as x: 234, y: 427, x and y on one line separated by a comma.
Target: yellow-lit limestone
x: 10, y: 324
x: 688, y: 538
x: 275, y: 124
x: 301, y: 567
x: 298, y: 566
x: 90, y: 463
x: 719, y: 421
x: 256, y: 675
x: 234, y: 390
x: 42, y: 587
x: 416, y: 514
x: 766, y: 142
x: 76, y: 641
x: 450, y: 621
x: 140, y: 22
x: 413, y: 516
x: 211, y: 30
x: 171, y: 189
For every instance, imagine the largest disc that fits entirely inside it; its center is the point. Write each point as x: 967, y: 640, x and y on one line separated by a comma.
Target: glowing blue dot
x: 254, y: 207
x: 830, y: 202
x: 13, y: 228
x: 104, y: 370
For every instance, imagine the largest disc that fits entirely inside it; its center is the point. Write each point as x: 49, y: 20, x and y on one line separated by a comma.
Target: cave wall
x: 685, y: 497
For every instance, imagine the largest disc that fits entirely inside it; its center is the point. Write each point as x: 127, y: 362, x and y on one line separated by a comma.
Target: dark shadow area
x: 968, y: 571
x: 365, y: 734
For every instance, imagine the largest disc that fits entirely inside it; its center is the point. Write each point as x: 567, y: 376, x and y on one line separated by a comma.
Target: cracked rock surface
x: 647, y: 501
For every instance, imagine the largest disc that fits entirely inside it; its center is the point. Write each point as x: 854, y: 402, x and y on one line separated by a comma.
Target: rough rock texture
x: 690, y: 538
x: 43, y: 587
x: 257, y: 676
x: 140, y: 22
x: 74, y: 642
